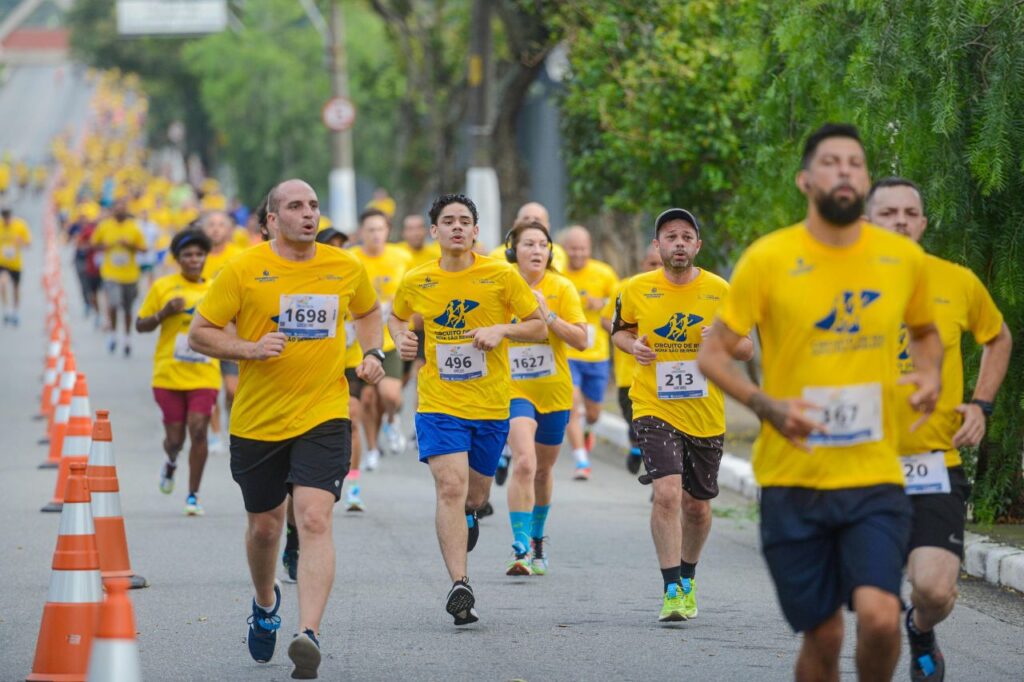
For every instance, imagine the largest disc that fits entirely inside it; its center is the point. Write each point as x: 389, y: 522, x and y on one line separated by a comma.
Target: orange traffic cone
x: 115, y: 653
x: 50, y: 373
x: 73, y: 603
x: 61, y: 414
x: 106, y: 505
x: 76, y: 441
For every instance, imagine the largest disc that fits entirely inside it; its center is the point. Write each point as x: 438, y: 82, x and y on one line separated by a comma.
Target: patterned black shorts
x: 667, y: 451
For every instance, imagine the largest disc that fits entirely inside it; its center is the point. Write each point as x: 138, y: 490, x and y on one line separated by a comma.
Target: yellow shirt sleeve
x: 24, y: 232
x: 983, y: 317
x: 151, y: 304
x: 626, y: 307
x: 570, y: 308
x: 401, y: 307
x: 364, y: 296
x: 98, y: 234
x: 919, y: 308
x: 223, y: 300
x: 742, y: 308
x: 520, y: 298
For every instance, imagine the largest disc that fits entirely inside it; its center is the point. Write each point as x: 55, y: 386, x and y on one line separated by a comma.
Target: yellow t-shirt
x: 14, y: 234
x: 240, y: 238
x: 175, y: 365
x: 559, y: 258
x: 430, y: 251
x: 829, y: 318
x: 961, y: 304
x: 673, y: 316
x: 119, y: 263
x: 459, y: 380
x: 540, y: 371
x: 305, y: 386
x: 385, y: 272
x: 623, y: 364
x: 594, y: 280
x: 215, y: 262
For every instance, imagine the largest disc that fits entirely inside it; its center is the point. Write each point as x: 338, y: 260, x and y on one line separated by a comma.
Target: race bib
x: 184, y: 353
x: 533, y: 361
x: 680, y: 380
x: 10, y: 252
x: 350, y: 334
x: 591, y: 335
x: 926, y: 473
x: 460, y: 362
x: 308, y: 316
x: 852, y: 414
x: 119, y: 259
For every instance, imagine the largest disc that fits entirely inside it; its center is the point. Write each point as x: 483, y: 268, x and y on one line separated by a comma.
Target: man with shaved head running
x: 290, y: 431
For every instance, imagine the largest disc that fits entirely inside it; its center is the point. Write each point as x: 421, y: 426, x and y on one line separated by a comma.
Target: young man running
x: 936, y: 481
x: 462, y: 421
x: 596, y: 282
x: 121, y: 240
x: 541, y: 394
x: 678, y: 416
x: 289, y: 430
x: 14, y: 237
x: 828, y: 296
x: 185, y: 383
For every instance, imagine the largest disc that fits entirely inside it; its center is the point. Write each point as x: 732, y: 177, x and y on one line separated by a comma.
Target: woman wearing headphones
x: 541, y: 393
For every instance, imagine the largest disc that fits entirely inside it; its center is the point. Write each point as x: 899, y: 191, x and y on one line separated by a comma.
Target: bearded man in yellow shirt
x: 828, y: 296
x: 936, y: 482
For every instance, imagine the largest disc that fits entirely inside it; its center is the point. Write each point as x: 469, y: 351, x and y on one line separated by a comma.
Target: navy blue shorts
x: 591, y: 378
x: 550, y: 425
x: 820, y: 545
x: 443, y: 434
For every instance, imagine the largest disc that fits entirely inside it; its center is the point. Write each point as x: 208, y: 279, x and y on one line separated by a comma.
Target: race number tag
x: 308, y: 316
x: 184, y: 353
x: 591, y: 335
x: 350, y: 334
x: 9, y: 252
x: 120, y: 258
x: 532, y: 361
x: 852, y: 414
x: 460, y: 362
x: 680, y: 380
x: 926, y: 473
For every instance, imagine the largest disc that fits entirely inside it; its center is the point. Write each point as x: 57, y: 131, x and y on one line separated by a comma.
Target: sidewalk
x: 984, y: 557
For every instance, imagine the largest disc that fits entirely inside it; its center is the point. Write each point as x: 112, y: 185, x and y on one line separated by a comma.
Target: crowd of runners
x: 311, y: 334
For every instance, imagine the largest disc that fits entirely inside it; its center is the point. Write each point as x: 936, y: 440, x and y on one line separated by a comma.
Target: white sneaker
x: 394, y: 441
x: 216, y: 444
x: 372, y: 459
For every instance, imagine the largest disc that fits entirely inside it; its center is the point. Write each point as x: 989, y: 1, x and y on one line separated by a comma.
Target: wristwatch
x: 551, y: 318
x: 986, y: 407
x: 375, y: 352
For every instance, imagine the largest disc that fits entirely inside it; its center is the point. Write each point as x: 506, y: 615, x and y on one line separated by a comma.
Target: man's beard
x: 840, y: 212
x: 667, y: 259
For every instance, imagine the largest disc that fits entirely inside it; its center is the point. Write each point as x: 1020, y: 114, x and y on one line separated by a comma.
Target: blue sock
x: 540, y: 517
x: 521, y: 530
x: 469, y: 521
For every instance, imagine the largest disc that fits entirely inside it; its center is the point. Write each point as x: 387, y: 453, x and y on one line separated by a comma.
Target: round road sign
x: 339, y: 114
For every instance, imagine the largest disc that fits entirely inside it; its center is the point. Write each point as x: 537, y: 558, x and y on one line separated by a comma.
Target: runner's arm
x: 531, y: 328
x: 207, y: 338
x: 926, y: 354
x: 404, y: 338
x: 369, y: 328
x: 151, y: 322
x: 995, y: 360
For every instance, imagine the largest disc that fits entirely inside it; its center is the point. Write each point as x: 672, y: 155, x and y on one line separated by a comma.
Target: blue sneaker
x: 263, y: 626
x: 305, y: 654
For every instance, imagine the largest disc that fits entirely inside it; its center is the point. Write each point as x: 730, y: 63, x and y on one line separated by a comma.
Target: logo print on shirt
x: 801, y: 268
x: 454, y: 315
x: 675, y: 328
x: 844, y: 317
x: 904, y: 344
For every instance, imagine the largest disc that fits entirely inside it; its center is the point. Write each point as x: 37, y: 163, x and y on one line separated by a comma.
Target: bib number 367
x: 851, y: 414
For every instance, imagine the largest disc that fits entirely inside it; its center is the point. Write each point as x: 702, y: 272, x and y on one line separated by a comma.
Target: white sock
x: 580, y: 455
x: 268, y: 609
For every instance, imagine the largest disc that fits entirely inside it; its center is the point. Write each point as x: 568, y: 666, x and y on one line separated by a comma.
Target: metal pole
x: 342, y: 180
x: 481, y: 180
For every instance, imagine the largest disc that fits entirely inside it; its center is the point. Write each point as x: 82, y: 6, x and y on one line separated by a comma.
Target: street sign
x: 171, y: 17
x: 339, y: 114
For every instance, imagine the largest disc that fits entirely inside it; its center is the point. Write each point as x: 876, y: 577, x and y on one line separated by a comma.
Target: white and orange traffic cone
x: 73, y: 602
x: 61, y: 413
x: 111, y: 538
x: 50, y: 371
x: 115, y: 653
x: 76, y: 441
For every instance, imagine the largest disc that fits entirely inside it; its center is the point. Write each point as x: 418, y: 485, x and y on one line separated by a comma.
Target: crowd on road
x: 311, y: 333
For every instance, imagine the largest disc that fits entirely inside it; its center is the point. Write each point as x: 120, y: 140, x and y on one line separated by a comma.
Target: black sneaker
x: 305, y: 654
x: 473, y: 521
x: 501, y: 475
x: 263, y: 626
x: 926, y: 661
x: 290, y: 559
x: 633, y: 460
x: 460, y: 603
x: 486, y: 510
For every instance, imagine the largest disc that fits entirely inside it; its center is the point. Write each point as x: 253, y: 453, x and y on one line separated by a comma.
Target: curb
x: 998, y: 564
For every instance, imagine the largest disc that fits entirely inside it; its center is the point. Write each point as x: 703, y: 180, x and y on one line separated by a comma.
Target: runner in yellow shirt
x: 541, y: 394
x: 385, y: 265
x: 936, y: 481
x: 414, y: 240
x: 661, y: 318
x: 289, y: 428
x: 828, y: 296
x: 596, y: 282
x: 535, y: 211
x: 185, y: 383
x: 465, y: 300
x: 14, y: 238
x: 121, y: 240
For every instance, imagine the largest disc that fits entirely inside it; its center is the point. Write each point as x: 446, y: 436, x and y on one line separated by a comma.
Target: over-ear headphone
x: 510, y: 251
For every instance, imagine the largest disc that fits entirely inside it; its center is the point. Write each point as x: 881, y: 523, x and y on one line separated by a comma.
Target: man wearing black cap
x: 661, y: 318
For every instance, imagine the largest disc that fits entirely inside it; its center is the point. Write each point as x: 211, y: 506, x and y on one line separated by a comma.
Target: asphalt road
x: 593, y: 617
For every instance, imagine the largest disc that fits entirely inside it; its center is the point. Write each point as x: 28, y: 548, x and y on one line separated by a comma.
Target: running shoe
x: 473, y: 521
x: 127, y: 351
x: 461, y: 602
x: 372, y: 459
x: 689, y: 597
x: 112, y: 345
x: 582, y: 472
x: 305, y: 654
x: 520, y: 564
x: 672, y: 608
x: 14, y: 320
x: 633, y: 460
x: 192, y: 506
x: 290, y: 559
x: 167, y: 478
x: 486, y: 510
x: 393, y: 439
x: 926, y: 661
x: 215, y: 442
x: 501, y: 475
x: 539, y: 562
x: 353, y: 502
x: 263, y: 626
x: 588, y: 440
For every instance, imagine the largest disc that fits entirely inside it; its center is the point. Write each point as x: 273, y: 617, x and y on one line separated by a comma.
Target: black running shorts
x: 668, y: 451
x: 939, y: 517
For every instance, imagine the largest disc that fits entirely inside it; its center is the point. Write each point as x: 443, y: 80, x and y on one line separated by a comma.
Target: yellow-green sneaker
x: 672, y: 607
x: 689, y: 598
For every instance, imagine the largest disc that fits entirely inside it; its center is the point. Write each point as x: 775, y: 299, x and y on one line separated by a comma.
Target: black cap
x: 675, y: 214
x: 325, y: 235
